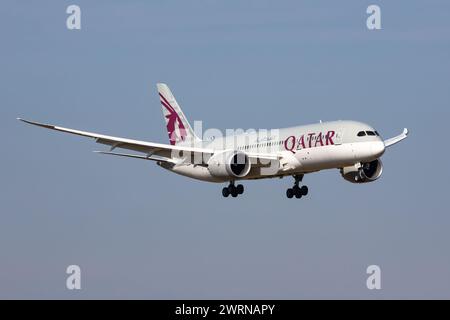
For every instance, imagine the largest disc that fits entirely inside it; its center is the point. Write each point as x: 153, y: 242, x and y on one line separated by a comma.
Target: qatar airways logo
x: 175, y: 126
x: 309, y: 140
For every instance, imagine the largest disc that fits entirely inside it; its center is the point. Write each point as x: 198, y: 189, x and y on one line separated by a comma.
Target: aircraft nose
x: 378, y: 148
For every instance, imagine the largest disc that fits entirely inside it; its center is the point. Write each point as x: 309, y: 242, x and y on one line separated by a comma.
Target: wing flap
x: 135, y: 156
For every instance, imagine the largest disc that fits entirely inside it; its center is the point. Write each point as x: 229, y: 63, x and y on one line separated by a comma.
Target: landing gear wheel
x: 289, y: 193
x: 297, y: 192
x: 233, y: 190
x: 304, y: 190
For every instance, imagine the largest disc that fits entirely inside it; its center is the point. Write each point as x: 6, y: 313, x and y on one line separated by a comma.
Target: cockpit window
x: 361, y: 134
x: 370, y: 133
x: 376, y: 132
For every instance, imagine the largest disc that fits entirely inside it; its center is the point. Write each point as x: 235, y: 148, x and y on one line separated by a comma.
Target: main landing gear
x: 297, y: 191
x: 233, y: 190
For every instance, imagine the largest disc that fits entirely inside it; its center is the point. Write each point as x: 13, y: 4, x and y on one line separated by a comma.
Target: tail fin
x: 178, y: 127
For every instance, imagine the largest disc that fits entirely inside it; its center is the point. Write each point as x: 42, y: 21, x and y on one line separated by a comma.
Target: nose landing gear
x: 296, y: 190
x: 233, y: 190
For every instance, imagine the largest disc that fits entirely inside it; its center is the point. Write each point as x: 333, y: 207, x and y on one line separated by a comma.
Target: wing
x: 149, y: 148
x: 152, y: 151
x: 397, y: 139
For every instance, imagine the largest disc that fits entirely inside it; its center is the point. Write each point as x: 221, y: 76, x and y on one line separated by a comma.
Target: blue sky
x: 140, y: 232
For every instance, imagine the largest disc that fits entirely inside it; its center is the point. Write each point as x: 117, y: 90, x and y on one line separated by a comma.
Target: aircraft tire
x: 289, y: 193
x: 304, y: 190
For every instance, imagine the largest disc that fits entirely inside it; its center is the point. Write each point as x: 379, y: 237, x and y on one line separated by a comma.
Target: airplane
x: 352, y: 147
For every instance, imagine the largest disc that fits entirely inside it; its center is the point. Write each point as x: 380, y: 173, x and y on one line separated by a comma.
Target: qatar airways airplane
x: 352, y: 147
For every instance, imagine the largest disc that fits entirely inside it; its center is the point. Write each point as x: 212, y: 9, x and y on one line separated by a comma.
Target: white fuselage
x: 303, y: 149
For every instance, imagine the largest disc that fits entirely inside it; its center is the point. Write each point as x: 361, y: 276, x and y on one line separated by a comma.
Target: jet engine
x: 363, y: 172
x: 229, y: 164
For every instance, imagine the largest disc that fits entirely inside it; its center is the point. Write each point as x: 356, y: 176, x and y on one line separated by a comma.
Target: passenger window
x: 370, y: 133
x: 361, y: 134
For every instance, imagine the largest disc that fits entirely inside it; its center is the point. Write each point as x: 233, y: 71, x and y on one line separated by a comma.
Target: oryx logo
x: 175, y: 126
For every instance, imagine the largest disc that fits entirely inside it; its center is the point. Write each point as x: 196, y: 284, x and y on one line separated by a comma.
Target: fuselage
x: 308, y: 148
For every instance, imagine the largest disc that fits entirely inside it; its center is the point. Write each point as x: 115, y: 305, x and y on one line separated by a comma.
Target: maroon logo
x: 173, y: 119
x: 310, y: 140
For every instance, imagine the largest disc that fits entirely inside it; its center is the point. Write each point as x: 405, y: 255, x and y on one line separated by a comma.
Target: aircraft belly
x: 304, y: 160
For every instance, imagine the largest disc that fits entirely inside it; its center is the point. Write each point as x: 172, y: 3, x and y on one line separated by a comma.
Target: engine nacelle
x: 364, y: 172
x: 229, y: 164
